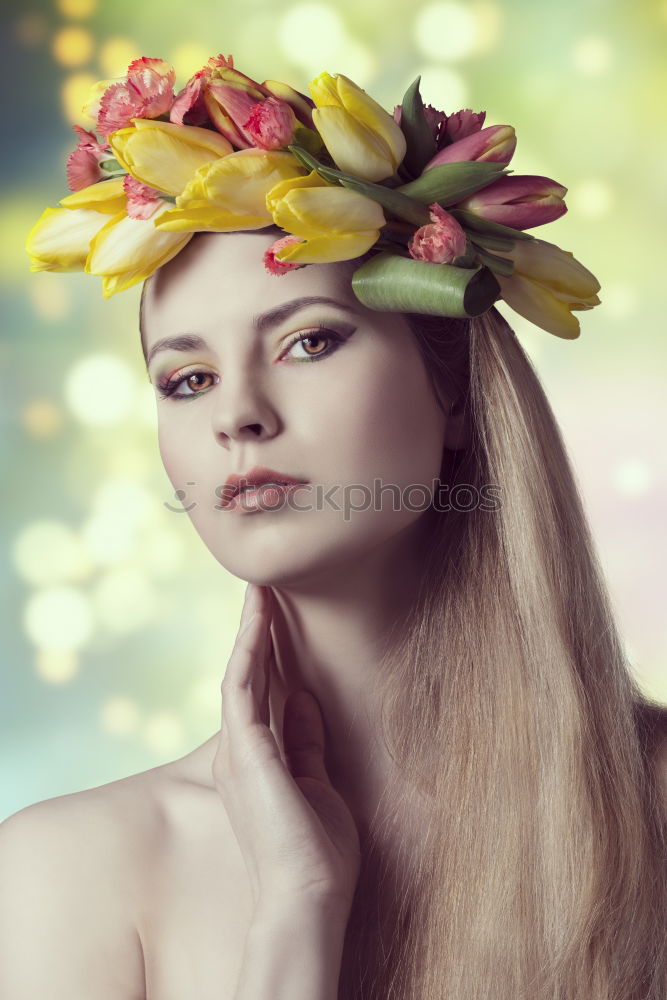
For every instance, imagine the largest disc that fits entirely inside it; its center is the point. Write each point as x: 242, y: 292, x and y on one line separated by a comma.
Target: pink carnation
x: 142, y: 200
x: 436, y: 119
x: 461, y: 125
x: 189, y: 102
x: 274, y: 266
x: 439, y: 242
x: 146, y: 92
x: 446, y: 129
x: 83, y: 163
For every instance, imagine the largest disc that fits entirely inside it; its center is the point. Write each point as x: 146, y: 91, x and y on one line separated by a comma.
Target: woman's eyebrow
x: 192, y: 341
x: 286, y: 309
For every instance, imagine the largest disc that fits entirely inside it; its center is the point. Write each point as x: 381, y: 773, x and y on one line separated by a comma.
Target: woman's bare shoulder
x: 74, y: 871
x: 104, y: 816
x: 121, y: 821
x: 70, y: 894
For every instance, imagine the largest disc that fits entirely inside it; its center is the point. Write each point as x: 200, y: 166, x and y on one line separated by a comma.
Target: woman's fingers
x: 245, y: 684
x: 303, y: 736
x: 295, y: 831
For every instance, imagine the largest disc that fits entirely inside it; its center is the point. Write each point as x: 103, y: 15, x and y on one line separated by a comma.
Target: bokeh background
x: 117, y: 622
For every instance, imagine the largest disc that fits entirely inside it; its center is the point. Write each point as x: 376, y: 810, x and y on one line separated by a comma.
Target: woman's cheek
x: 174, y: 453
x: 403, y: 427
x: 165, y: 451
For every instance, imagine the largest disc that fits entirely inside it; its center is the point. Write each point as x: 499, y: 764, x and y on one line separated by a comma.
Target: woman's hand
x: 298, y: 837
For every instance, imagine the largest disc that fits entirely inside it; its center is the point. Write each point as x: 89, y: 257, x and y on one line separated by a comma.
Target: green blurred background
x: 117, y: 621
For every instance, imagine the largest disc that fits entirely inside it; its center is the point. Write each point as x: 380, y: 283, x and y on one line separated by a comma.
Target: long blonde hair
x: 513, y: 717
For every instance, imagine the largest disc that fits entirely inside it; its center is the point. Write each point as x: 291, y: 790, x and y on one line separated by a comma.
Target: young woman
x: 435, y: 775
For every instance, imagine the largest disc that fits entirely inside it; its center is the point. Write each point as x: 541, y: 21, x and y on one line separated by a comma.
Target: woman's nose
x: 242, y: 408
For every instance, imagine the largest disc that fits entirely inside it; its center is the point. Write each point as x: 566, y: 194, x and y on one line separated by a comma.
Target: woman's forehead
x: 216, y: 269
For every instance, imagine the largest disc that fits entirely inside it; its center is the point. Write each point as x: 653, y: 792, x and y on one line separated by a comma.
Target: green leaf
x: 398, y: 204
x: 450, y: 182
x: 421, y: 145
x: 475, y: 223
x: 304, y: 157
x: 468, y: 259
x: 399, y: 237
x: 391, y: 283
x: 308, y: 139
x: 500, y: 265
x: 492, y: 242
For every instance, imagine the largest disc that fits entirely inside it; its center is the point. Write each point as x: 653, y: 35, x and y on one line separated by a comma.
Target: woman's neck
x: 333, y: 635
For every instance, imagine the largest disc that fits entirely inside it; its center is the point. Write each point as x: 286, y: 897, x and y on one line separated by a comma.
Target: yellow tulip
x: 126, y: 251
x: 107, y: 197
x: 547, y: 286
x: 361, y: 136
x: 165, y: 156
x: 60, y: 239
x: 230, y: 193
x: 334, y: 222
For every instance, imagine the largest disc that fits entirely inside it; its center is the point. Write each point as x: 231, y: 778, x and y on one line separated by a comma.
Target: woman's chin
x: 309, y: 551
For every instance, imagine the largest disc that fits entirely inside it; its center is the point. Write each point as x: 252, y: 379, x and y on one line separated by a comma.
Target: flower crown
x: 427, y: 191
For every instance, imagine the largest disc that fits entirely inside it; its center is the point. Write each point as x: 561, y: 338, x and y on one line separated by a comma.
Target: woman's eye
x: 311, y: 342
x: 167, y: 387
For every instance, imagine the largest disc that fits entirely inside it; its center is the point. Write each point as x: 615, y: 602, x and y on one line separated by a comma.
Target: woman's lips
x: 266, y: 496
x: 258, y: 476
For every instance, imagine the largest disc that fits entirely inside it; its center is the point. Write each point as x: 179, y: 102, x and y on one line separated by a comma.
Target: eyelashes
x: 166, y: 387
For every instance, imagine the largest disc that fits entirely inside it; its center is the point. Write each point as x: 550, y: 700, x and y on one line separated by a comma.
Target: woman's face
x: 350, y: 406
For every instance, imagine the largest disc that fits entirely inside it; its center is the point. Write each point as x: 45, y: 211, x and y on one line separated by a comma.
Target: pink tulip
x: 495, y: 144
x: 189, y: 107
x: 301, y: 104
x: 235, y: 105
x: 518, y: 201
x: 439, y: 242
x: 142, y: 200
x: 146, y: 92
x: 222, y: 96
x: 274, y: 266
x: 248, y: 117
x: 83, y: 163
